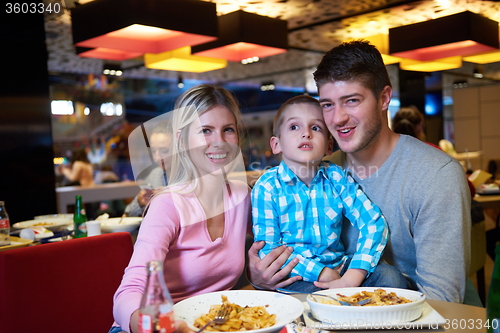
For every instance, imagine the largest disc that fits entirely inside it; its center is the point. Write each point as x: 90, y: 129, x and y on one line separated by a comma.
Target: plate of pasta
x: 51, y: 223
x: 386, y: 305
x: 251, y: 311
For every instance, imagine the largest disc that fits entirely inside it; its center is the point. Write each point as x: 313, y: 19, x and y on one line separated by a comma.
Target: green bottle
x: 79, y: 219
x: 493, y: 301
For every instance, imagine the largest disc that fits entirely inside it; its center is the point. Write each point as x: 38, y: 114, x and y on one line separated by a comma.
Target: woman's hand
x: 266, y: 273
x: 180, y: 326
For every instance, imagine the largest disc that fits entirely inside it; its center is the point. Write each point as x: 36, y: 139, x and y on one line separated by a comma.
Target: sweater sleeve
x: 441, y: 233
x: 158, y: 229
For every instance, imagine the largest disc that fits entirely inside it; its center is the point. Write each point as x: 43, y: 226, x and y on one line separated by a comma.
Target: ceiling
x: 315, y: 26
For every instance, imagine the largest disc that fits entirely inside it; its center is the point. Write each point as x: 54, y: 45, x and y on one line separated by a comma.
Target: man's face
x: 352, y: 114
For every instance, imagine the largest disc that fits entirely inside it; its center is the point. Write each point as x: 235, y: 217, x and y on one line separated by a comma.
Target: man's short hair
x: 279, y: 117
x: 354, y: 60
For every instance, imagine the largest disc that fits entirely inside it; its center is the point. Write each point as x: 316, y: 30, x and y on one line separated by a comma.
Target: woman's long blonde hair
x: 188, y: 107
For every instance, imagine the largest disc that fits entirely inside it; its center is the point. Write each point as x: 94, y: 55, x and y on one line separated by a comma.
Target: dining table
x: 489, y: 201
x: 453, y: 317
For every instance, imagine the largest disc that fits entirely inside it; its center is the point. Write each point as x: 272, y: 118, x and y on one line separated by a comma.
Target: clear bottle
x: 156, y: 312
x: 493, y: 301
x: 79, y: 219
x: 4, y: 226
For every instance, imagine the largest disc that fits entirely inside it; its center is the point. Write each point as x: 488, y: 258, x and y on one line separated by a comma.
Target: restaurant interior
x: 60, y: 89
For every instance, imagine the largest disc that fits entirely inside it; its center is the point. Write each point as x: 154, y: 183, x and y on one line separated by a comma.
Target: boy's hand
x: 328, y: 274
x: 266, y: 273
x: 352, y: 278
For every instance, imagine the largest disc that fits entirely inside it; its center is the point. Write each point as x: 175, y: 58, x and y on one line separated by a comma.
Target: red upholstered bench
x: 62, y: 287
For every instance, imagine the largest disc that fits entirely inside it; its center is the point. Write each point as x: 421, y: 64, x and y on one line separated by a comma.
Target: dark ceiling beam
x: 390, y: 4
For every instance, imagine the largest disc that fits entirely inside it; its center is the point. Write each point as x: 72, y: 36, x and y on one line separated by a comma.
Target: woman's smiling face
x: 213, y: 140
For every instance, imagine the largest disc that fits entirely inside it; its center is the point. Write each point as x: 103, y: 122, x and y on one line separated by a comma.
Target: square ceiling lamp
x: 454, y: 35
x: 105, y: 53
x: 483, y: 58
x: 431, y: 65
x: 137, y: 26
x: 245, y: 35
x: 182, y: 60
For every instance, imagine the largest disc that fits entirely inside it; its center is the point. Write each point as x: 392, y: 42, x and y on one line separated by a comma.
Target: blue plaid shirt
x: 309, y: 219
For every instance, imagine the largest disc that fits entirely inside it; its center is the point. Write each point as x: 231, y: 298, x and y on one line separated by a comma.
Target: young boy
x: 302, y: 202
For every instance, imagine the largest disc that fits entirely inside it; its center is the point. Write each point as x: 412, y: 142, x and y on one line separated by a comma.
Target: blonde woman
x: 197, y: 225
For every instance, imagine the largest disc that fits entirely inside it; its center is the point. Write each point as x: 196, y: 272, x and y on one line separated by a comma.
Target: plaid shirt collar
x: 291, y: 178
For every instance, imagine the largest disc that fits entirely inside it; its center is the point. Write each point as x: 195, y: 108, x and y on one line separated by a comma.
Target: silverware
x: 221, y: 317
x: 344, y: 303
x: 121, y: 218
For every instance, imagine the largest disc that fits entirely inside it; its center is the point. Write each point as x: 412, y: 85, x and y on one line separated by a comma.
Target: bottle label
x: 82, y: 227
x: 145, y: 323
x: 4, y: 223
x: 167, y: 322
x: 82, y: 211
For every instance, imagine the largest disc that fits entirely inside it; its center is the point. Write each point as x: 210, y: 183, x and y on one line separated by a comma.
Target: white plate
x: 286, y: 308
x: 64, y: 216
x: 53, y: 224
x: 430, y: 318
x: 128, y: 224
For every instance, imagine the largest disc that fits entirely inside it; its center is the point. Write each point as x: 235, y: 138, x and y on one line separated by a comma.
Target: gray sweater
x: 423, y: 194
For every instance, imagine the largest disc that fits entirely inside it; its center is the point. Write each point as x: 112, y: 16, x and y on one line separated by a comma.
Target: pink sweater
x: 175, y: 231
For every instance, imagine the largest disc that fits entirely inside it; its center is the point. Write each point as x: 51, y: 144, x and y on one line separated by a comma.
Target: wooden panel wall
x: 476, y: 113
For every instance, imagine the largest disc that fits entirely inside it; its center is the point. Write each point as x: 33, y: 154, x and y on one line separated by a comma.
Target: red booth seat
x: 62, y: 287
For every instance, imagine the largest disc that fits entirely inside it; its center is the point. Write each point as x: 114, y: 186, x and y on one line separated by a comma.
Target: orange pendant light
x: 454, y: 35
x: 139, y: 26
x: 245, y: 35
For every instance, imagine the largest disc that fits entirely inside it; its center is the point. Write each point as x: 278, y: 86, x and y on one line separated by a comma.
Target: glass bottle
x: 79, y: 219
x: 156, y: 312
x: 4, y: 226
x: 493, y: 301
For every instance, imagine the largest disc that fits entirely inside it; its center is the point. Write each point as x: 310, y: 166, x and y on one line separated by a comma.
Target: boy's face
x: 303, y: 137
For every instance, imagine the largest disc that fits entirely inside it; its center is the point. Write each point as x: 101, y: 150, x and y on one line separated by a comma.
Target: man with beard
x: 421, y: 191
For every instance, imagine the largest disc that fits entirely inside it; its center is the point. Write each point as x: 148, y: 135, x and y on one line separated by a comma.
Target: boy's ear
x: 274, y: 142
x: 329, y: 147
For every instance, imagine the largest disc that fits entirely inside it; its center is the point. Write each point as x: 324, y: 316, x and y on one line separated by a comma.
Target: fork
x: 221, y: 317
x: 345, y: 303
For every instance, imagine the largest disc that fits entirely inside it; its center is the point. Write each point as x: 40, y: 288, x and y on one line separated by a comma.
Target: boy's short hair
x: 278, y: 118
x: 354, y: 60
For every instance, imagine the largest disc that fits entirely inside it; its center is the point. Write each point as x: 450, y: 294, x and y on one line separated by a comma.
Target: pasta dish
x: 240, y: 318
x: 376, y: 298
x: 43, y: 224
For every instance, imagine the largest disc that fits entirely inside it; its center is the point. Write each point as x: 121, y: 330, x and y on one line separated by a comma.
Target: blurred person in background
x: 160, y: 144
x: 80, y: 171
x: 410, y: 121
